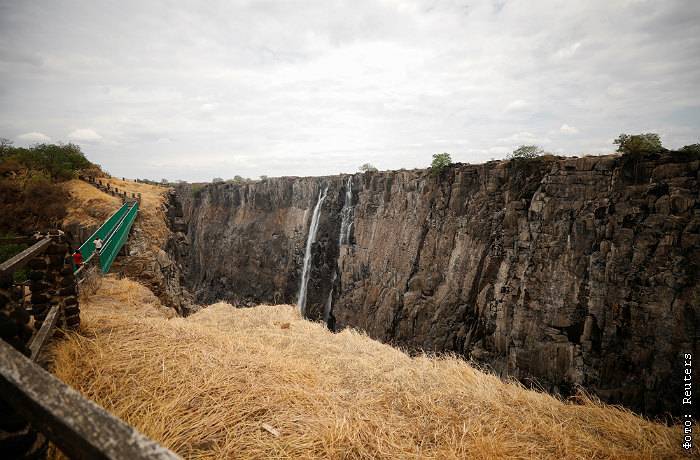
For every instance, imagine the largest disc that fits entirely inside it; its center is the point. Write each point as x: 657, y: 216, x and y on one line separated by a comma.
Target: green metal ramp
x: 113, y: 232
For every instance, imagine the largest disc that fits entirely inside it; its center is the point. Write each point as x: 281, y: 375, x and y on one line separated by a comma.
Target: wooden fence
x: 76, y: 425
x: 106, y: 187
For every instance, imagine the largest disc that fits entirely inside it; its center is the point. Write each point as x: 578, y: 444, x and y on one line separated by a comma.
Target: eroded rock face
x: 569, y: 271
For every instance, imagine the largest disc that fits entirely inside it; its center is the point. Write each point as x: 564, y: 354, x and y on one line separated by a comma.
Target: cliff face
x: 569, y: 271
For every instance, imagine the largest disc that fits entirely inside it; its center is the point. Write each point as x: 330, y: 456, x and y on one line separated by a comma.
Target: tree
x: 692, y: 148
x: 263, y: 177
x: 526, y: 152
x: 5, y: 146
x: 59, y: 161
x: 639, y: 144
x: 368, y: 167
x: 164, y: 181
x: 440, y: 162
x: 217, y: 180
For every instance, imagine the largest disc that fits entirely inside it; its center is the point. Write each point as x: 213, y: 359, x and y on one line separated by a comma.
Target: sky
x: 202, y: 89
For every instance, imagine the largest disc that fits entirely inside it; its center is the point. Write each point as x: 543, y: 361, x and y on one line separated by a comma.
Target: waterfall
x: 329, y: 301
x: 343, y: 238
x: 310, y: 240
x: 346, y: 215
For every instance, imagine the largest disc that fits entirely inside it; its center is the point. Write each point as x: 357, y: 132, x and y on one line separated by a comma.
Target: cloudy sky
x: 196, y: 90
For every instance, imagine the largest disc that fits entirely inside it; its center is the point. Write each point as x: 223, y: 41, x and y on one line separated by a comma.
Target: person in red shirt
x: 77, y: 259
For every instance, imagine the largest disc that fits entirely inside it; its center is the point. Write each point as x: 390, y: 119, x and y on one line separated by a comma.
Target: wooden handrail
x: 78, y: 426
x: 18, y: 261
x: 39, y: 339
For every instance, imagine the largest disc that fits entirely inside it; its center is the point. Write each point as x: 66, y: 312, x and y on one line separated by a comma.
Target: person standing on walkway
x: 98, y: 244
x: 77, y: 259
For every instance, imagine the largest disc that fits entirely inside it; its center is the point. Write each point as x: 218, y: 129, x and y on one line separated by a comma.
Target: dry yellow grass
x: 88, y: 205
x: 205, y: 385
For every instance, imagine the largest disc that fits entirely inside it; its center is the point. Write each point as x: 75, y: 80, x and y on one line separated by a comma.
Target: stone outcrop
x: 566, y: 271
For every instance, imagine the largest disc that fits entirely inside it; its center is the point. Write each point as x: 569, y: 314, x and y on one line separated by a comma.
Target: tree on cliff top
x: 59, y: 161
x: 526, y: 152
x: 5, y: 145
x: 639, y: 144
x: 440, y: 162
x: 692, y: 148
x: 368, y: 167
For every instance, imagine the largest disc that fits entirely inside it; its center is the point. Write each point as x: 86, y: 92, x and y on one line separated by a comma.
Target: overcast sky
x: 222, y: 88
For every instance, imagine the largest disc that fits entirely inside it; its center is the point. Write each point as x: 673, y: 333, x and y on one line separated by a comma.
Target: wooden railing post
x: 76, y: 425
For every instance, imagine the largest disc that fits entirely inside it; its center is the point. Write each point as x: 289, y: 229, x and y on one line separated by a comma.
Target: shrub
x: 239, y: 180
x: 36, y: 203
x: 639, y: 144
x: 8, y: 250
x: 440, y: 162
x: 368, y: 167
x: 93, y: 171
x: 526, y: 152
x: 60, y: 161
x: 5, y: 146
x: 9, y: 166
x: 196, y: 190
x: 692, y: 148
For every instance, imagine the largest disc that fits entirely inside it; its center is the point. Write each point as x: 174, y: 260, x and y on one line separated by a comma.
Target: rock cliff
x: 565, y: 271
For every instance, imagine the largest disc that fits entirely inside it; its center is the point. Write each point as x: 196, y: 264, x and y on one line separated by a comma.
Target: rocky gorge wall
x: 568, y: 271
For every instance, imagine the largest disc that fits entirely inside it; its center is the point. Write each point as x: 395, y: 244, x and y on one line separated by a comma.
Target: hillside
x: 146, y: 260
x: 87, y: 205
x: 205, y: 385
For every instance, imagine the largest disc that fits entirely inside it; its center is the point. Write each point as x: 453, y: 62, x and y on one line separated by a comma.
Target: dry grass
x: 205, y: 385
x: 88, y: 205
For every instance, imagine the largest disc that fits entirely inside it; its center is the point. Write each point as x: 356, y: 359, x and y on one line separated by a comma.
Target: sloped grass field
x: 263, y: 383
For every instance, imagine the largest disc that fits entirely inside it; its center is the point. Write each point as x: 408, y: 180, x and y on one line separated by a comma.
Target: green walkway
x: 113, y: 232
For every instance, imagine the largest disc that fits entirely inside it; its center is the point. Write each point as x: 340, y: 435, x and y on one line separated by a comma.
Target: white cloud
x: 524, y: 137
x: 568, y: 51
x: 208, y: 107
x: 566, y: 129
x: 84, y: 135
x: 517, y: 105
x: 34, y: 137
x: 290, y: 83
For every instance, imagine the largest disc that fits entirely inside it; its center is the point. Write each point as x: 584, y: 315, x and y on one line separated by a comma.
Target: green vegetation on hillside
x: 58, y: 161
x: 639, y: 144
x: 692, y: 148
x: 526, y: 152
x: 31, y: 196
x: 368, y: 167
x: 10, y: 249
x: 440, y: 162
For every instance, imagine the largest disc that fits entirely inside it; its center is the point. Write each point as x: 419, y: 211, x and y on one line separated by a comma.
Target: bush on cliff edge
x: 639, y: 144
x: 441, y: 161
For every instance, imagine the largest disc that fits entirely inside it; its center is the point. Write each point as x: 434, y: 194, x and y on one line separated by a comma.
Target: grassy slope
x: 88, y: 205
x: 91, y: 206
x: 204, y: 386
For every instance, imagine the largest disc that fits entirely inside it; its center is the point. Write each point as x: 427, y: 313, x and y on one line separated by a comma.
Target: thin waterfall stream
x: 310, y: 240
x: 343, y: 238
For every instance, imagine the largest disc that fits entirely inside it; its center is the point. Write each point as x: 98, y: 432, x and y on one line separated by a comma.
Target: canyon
x: 560, y: 272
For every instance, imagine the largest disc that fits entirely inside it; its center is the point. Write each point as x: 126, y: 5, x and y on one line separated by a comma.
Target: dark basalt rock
x: 568, y: 271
